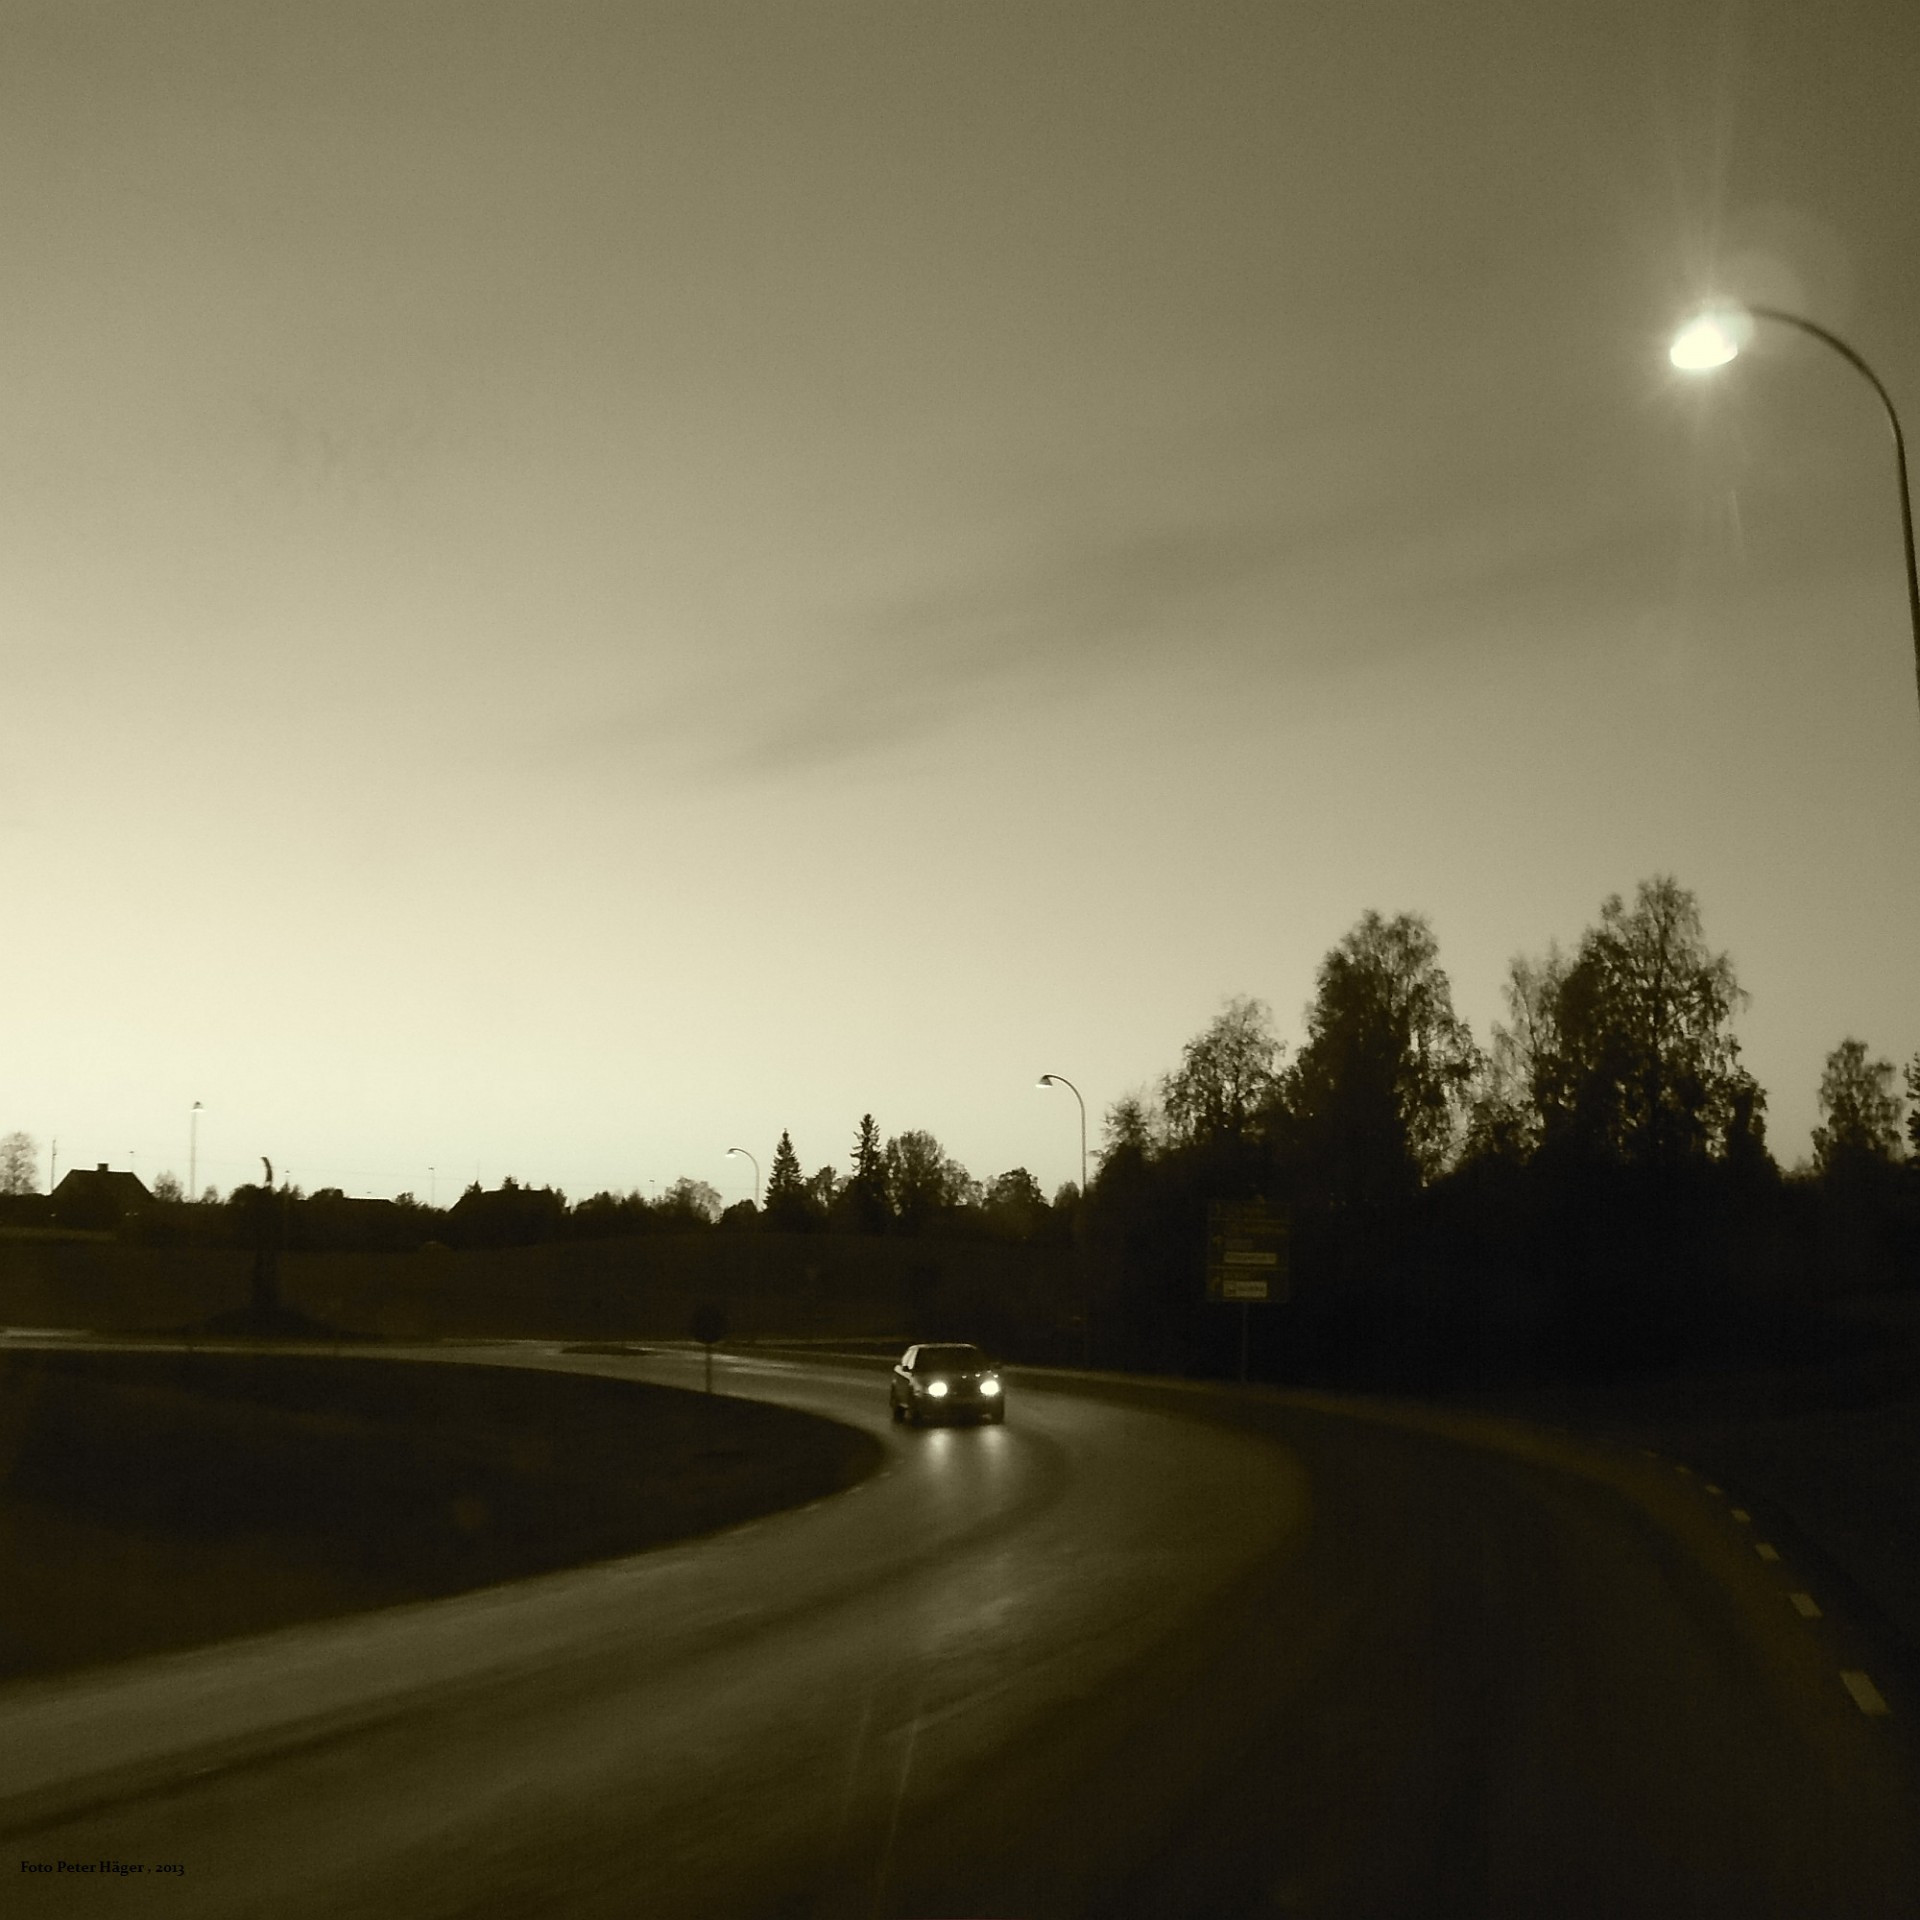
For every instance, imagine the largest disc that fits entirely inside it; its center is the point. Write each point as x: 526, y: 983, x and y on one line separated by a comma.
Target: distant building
x: 334, y: 1221
x: 101, y: 1200
x: 509, y: 1216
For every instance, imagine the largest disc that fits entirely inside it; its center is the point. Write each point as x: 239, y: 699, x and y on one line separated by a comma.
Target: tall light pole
x: 193, y: 1151
x: 1061, y: 1080
x: 1086, y: 1314
x: 1714, y: 337
x: 755, y: 1164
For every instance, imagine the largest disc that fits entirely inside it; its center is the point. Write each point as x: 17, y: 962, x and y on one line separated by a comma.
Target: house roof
x: 102, y: 1182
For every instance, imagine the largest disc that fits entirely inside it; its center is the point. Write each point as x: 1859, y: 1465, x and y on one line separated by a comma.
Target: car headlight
x: 989, y: 1386
x: 938, y: 1389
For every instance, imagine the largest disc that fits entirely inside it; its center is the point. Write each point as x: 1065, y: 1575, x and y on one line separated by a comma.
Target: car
x: 947, y: 1380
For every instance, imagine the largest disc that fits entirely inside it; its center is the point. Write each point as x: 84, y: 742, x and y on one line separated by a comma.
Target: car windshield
x: 949, y: 1360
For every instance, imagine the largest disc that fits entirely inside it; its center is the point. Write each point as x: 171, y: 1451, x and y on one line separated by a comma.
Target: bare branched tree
x: 19, y: 1164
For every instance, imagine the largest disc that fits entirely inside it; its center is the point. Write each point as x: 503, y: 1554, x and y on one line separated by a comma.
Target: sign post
x: 1246, y: 1258
x: 709, y: 1325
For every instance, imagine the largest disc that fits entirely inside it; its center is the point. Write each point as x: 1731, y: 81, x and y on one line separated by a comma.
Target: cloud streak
x: 1095, y: 610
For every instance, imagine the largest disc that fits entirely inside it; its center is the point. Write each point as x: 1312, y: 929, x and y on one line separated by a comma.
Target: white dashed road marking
x: 1711, y: 1488
x: 1767, y: 1553
x: 1804, y: 1606
x: 1866, y: 1696
x: 1742, y: 1515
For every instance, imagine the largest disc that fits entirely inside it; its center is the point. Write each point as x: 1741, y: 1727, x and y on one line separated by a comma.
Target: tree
x: 1913, y: 1106
x: 608, y: 1216
x: 1134, y: 1127
x: 1746, y: 1136
x: 786, y: 1188
x: 922, y: 1181
x: 1507, y: 1118
x: 19, y: 1164
x: 1644, y: 1065
x: 166, y: 1187
x: 1226, y: 1077
x: 1859, y: 1110
x: 1375, y: 1100
x: 863, y: 1205
x: 1014, y: 1205
x: 868, y: 1153
x: 689, y: 1202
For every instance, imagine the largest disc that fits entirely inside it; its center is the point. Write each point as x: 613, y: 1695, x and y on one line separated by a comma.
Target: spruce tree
x: 786, y: 1188
x: 864, y: 1198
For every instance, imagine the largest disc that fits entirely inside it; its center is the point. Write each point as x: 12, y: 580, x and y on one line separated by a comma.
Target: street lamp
x: 1061, y: 1080
x: 1714, y: 337
x: 755, y: 1164
x: 193, y: 1152
x: 1086, y: 1304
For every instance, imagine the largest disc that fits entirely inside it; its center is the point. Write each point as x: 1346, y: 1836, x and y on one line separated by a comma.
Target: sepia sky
x: 582, y: 584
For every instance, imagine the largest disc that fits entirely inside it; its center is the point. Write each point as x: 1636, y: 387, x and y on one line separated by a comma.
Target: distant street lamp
x: 1714, y: 337
x: 1086, y: 1304
x: 193, y: 1151
x: 755, y: 1164
x: 1061, y: 1080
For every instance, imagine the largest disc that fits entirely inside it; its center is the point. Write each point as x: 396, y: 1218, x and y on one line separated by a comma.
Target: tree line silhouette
x: 907, y: 1185
x: 1591, y: 1191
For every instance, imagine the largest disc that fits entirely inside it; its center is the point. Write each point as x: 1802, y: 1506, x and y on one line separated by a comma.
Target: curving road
x: 1140, y: 1651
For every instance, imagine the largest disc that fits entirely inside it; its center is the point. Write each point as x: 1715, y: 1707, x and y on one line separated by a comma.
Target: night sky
x: 583, y: 584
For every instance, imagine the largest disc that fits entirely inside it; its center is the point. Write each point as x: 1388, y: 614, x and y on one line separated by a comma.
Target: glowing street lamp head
x: 1710, y: 340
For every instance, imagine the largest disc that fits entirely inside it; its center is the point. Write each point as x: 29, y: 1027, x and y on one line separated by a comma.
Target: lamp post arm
x: 1872, y: 379
x: 755, y: 1165
x: 1045, y: 1078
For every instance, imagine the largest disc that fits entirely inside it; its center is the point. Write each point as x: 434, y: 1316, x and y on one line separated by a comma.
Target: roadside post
x: 1247, y: 1259
x: 709, y: 1325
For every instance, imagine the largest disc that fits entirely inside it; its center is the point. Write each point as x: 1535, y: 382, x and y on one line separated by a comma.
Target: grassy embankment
x: 772, y: 1285
x: 161, y: 1500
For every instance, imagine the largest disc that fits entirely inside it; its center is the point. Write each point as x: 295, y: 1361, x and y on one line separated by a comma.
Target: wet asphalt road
x: 1113, y: 1658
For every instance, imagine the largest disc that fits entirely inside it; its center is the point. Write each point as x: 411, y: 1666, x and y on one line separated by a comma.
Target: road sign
x: 1246, y: 1252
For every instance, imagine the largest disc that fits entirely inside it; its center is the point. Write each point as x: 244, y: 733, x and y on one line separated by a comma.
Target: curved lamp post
x: 755, y: 1165
x: 1061, y: 1080
x: 1086, y: 1316
x: 1714, y: 337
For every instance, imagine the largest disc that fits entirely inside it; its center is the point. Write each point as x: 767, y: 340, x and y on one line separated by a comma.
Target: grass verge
x: 153, y: 1501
